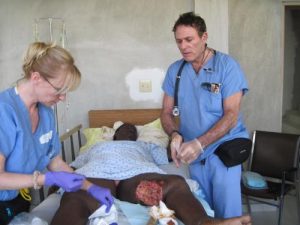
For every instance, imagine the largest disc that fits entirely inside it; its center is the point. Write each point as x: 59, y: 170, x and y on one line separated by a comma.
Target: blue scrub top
x: 23, y: 150
x: 201, y: 108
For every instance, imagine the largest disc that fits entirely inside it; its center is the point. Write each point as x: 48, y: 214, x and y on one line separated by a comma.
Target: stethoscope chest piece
x: 215, y: 88
x: 175, y: 111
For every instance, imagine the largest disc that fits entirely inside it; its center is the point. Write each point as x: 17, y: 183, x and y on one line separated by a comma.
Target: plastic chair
x: 275, y: 156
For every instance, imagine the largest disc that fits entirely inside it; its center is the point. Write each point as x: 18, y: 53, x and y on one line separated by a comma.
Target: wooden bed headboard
x: 99, y: 118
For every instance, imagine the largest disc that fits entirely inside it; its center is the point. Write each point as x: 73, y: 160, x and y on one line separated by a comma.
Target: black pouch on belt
x: 9, y: 209
x: 234, y: 152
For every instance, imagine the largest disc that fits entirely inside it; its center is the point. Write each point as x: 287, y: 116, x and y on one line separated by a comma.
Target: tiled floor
x: 268, y: 215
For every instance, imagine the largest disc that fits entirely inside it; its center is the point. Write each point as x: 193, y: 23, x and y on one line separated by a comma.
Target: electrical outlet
x: 145, y: 85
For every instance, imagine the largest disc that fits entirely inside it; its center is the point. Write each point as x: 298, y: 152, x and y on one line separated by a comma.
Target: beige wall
x: 255, y: 39
x: 116, y: 43
x: 215, y: 13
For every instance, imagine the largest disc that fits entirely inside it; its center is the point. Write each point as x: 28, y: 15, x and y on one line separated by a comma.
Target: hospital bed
x: 101, y: 128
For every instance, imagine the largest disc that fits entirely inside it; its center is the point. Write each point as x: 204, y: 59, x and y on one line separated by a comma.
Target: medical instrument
x: 175, y: 110
x: 53, y: 29
x: 211, y: 70
x: 56, y: 31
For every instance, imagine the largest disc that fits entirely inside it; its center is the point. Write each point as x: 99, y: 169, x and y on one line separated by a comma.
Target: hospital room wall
x: 256, y: 39
x: 118, y: 43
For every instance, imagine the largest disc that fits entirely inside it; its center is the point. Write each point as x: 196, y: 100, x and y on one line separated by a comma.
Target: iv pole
x: 62, y: 42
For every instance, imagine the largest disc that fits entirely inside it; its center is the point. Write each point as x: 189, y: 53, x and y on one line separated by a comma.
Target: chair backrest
x: 273, y: 152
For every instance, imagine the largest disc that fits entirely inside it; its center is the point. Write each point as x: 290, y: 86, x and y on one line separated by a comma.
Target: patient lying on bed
x: 129, y: 169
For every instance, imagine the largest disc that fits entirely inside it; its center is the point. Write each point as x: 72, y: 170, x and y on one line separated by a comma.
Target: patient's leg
x: 76, y: 207
x: 175, y: 193
x: 177, y: 196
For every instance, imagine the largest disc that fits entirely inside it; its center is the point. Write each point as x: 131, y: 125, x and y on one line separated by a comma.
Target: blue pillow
x: 254, y: 180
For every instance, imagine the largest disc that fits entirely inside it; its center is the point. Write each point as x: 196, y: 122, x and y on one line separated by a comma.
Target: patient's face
x: 126, y: 131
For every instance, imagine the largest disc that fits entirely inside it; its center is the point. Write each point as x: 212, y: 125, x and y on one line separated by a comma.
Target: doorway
x: 291, y: 70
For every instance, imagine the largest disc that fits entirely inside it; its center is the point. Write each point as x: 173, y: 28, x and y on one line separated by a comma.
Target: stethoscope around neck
x: 175, y: 110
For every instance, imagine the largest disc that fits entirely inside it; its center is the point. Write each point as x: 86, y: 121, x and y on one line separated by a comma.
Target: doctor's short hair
x: 51, y: 60
x: 193, y: 20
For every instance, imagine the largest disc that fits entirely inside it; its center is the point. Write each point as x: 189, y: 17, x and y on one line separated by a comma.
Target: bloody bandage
x: 149, y: 192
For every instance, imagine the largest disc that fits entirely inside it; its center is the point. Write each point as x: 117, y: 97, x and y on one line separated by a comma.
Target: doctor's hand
x: 175, y: 146
x: 102, y: 195
x: 189, y: 151
x: 68, y: 181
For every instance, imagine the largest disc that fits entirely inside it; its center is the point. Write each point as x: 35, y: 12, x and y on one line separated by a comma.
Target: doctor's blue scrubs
x: 200, y: 103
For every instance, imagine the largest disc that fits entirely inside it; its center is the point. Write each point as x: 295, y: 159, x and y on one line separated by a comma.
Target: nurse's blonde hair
x: 51, y: 61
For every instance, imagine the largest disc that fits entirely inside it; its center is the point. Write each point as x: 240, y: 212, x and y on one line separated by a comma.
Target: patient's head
x: 126, y: 131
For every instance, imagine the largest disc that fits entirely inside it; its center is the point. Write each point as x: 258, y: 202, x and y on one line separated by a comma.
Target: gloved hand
x: 101, y: 194
x: 175, y: 147
x: 68, y: 181
x: 189, y: 151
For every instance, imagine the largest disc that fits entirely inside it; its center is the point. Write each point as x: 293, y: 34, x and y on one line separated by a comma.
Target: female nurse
x: 29, y: 142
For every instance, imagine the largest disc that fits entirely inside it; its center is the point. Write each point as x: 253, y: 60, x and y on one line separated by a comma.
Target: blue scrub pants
x: 220, y: 184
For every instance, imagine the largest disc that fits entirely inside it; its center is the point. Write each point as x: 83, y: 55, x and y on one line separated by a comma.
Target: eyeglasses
x: 59, y: 91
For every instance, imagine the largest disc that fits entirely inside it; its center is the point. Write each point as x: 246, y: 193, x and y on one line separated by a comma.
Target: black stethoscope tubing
x: 175, y: 110
x: 178, y: 76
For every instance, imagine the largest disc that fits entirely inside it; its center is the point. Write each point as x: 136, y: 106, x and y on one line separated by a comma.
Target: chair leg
x: 298, y: 201
x: 248, y: 205
x: 280, y: 209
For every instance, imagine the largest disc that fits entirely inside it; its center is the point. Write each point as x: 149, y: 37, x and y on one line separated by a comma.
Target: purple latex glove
x: 101, y: 194
x: 68, y: 181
